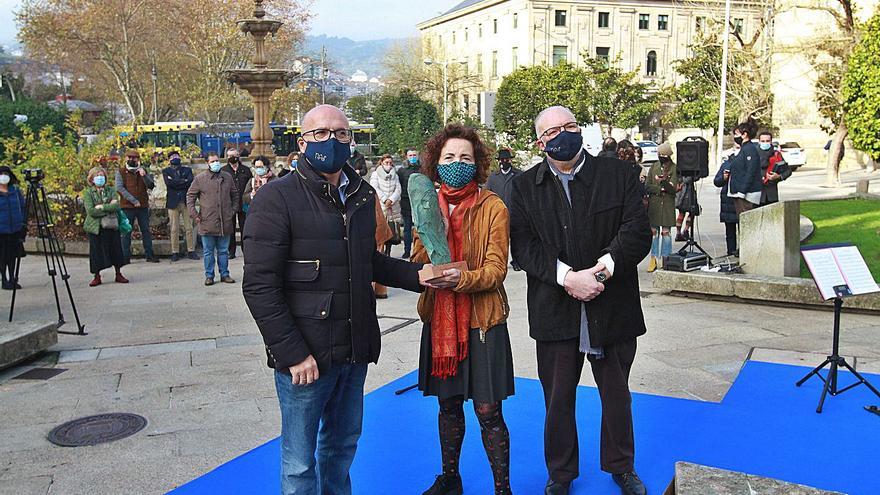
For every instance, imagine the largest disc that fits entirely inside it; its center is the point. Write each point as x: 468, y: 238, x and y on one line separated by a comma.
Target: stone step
x: 22, y: 340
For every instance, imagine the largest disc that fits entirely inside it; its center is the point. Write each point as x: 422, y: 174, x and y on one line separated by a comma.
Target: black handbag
x: 396, y: 233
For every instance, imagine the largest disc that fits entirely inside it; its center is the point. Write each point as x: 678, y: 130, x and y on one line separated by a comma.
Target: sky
x: 356, y: 19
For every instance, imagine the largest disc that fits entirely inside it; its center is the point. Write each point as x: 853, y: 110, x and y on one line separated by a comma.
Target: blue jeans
x: 220, y: 243
x: 324, y: 418
x: 142, y: 215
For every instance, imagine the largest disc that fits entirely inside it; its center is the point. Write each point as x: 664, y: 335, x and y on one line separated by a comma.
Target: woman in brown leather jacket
x: 465, y: 351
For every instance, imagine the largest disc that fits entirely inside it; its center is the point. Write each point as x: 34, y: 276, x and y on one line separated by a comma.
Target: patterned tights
x: 496, y: 439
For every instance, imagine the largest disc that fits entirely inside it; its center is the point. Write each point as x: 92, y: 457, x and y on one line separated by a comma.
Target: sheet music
x: 826, y: 272
x: 855, y: 271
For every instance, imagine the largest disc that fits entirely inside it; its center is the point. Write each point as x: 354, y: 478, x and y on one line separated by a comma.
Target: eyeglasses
x: 321, y: 135
x: 554, y: 131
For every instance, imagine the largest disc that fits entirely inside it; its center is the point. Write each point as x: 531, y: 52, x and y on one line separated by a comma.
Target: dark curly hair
x: 749, y: 127
x: 431, y: 155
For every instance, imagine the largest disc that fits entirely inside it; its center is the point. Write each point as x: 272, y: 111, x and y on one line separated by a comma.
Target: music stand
x: 839, y: 271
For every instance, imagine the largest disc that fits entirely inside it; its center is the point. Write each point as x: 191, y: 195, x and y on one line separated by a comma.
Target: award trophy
x: 428, y: 222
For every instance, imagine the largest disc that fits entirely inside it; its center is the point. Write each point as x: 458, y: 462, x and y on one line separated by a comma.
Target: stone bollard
x: 769, y: 240
x: 863, y: 186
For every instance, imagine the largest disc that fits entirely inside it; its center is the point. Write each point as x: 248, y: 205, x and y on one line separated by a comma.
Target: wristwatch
x: 601, y: 277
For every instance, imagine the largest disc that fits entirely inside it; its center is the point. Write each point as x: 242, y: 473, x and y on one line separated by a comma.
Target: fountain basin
x: 259, y: 77
x: 259, y: 26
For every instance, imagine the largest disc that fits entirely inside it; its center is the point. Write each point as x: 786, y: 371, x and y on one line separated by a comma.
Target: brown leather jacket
x: 487, y: 240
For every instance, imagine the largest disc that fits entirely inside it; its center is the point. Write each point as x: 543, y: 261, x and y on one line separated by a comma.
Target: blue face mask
x: 765, y: 146
x: 414, y: 160
x: 100, y: 180
x: 293, y: 164
x: 457, y: 174
x: 215, y: 166
x: 329, y: 156
x: 175, y: 161
x: 260, y: 171
x: 565, y: 146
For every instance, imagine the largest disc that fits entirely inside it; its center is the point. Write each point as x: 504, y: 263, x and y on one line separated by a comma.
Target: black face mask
x: 132, y: 163
x: 505, y: 164
x: 232, y: 160
x: 738, y: 140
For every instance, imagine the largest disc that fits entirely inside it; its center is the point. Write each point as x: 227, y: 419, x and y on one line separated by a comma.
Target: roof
x: 76, y: 105
x: 462, y: 5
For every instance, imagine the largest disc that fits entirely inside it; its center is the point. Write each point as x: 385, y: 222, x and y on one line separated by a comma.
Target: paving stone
x: 152, y: 349
x: 38, y: 485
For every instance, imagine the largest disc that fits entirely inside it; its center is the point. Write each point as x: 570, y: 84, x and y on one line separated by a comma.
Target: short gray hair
x: 548, y: 110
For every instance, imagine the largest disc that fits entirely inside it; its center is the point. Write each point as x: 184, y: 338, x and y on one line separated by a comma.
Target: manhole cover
x: 100, y: 428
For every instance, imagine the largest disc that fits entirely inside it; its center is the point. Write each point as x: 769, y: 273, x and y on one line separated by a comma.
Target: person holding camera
x: 661, y: 187
x: 13, y: 226
x: 102, y: 226
x: 133, y: 183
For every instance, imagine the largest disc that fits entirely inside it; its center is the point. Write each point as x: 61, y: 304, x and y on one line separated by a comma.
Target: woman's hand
x: 448, y: 281
x: 99, y: 207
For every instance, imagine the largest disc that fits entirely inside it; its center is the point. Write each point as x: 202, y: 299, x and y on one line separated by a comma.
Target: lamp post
x: 725, y: 53
x: 445, y: 65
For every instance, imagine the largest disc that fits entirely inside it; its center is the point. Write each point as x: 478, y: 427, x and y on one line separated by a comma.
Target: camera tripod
x: 691, y: 244
x: 37, y: 209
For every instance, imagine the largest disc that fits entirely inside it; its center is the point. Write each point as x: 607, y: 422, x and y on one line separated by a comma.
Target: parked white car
x: 793, y: 153
x: 649, y: 151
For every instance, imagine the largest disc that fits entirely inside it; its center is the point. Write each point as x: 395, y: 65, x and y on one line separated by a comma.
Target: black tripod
x: 690, y: 244
x: 836, y: 361
x: 37, y: 209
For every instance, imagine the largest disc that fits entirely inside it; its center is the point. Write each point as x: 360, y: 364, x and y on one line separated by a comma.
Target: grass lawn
x: 846, y: 220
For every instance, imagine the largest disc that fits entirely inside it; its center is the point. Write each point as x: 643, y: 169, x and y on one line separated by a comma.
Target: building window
x: 494, y: 64
x: 663, y: 22
x: 453, y: 37
x: 561, y: 18
x: 494, y: 26
x: 560, y: 54
x: 480, y: 64
x: 738, y: 26
x: 700, y: 23
x: 644, y: 21
x: 465, y: 67
x: 467, y: 103
x: 515, y: 20
x: 465, y: 34
x: 514, y: 58
x: 651, y: 64
x: 604, y: 19
x: 603, y: 53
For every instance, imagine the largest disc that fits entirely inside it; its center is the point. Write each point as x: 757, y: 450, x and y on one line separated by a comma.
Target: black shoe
x: 405, y: 256
x: 515, y: 267
x: 192, y: 255
x: 227, y: 280
x: 175, y: 257
x: 629, y: 483
x: 209, y: 281
x: 446, y: 484
x: 153, y: 260
x: 231, y: 256
x: 557, y: 487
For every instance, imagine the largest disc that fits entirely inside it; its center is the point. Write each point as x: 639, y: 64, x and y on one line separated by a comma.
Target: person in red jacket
x: 773, y: 168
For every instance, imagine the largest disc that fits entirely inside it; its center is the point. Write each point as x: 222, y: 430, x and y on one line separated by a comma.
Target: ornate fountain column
x: 260, y: 82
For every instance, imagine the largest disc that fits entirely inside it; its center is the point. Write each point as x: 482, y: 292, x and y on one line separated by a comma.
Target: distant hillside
x: 348, y: 56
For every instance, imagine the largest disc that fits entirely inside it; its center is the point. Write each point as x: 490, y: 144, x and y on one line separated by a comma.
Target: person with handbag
x: 103, y: 222
x: 465, y: 350
x: 13, y: 228
x: 387, y: 185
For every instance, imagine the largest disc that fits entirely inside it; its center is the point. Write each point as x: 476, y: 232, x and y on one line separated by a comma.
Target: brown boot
x: 120, y: 279
x: 95, y: 281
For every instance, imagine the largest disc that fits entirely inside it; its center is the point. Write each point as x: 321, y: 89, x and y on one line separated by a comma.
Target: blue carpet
x: 765, y: 426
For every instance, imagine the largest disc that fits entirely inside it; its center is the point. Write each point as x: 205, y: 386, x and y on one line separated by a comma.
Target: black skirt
x: 485, y: 376
x: 105, y: 250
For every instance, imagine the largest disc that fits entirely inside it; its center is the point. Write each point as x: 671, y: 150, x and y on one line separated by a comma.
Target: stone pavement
x: 190, y: 359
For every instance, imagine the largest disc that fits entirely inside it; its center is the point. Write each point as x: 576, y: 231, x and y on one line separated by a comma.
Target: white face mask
x: 388, y: 166
x: 4, y: 179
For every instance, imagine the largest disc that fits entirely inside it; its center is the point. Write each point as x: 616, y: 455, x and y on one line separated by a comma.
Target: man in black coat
x: 357, y: 161
x: 178, y: 178
x: 501, y: 181
x: 411, y: 166
x: 579, y: 229
x: 310, y: 259
x: 241, y: 176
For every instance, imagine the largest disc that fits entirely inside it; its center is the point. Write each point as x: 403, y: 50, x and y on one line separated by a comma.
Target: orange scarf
x: 451, y: 320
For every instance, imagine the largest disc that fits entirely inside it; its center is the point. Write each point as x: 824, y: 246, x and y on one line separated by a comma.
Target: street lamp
x: 445, y: 65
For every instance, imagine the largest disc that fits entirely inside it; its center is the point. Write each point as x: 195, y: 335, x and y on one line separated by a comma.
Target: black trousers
x: 730, y: 229
x: 237, y: 226
x: 559, y: 368
x: 407, y: 230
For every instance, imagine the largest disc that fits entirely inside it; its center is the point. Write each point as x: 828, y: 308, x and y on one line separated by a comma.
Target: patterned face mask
x: 457, y: 174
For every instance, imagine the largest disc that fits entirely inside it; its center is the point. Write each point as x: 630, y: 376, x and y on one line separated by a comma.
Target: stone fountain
x: 260, y: 82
